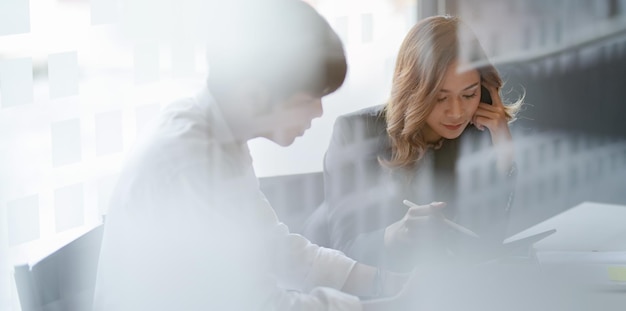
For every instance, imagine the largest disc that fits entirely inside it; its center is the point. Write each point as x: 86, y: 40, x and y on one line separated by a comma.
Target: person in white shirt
x: 188, y: 228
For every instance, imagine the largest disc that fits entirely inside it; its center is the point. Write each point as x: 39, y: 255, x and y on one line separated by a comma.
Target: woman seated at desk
x: 407, y: 149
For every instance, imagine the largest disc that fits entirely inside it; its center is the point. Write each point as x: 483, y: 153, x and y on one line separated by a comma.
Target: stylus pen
x: 446, y: 220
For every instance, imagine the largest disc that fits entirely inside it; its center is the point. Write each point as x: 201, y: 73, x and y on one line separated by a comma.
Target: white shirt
x: 189, y: 229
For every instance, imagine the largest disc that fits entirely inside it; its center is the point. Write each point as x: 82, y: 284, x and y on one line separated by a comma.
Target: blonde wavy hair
x: 425, y: 54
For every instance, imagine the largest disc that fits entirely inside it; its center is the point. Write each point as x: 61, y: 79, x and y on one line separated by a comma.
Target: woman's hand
x: 493, y: 117
x: 418, y: 231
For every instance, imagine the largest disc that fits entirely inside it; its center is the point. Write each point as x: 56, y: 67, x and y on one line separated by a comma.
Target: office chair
x: 65, y: 279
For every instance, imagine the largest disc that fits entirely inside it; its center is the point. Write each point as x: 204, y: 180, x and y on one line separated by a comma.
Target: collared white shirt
x: 189, y: 229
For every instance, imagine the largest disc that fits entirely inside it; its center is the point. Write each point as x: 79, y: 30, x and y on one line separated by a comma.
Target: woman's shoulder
x: 368, y: 112
x: 366, y: 119
x: 367, y: 124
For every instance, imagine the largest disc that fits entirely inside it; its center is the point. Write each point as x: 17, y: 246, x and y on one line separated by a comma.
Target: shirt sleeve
x: 298, y: 263
x: 308, y: 277
x: 320, y: 298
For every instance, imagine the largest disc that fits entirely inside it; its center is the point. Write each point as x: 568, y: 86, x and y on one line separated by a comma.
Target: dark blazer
x: 363, y: 197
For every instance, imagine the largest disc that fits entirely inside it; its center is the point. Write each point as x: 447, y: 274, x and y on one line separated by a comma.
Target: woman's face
x: 456, y: 103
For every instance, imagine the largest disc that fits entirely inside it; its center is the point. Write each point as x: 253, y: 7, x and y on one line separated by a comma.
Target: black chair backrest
x: 294, y: 197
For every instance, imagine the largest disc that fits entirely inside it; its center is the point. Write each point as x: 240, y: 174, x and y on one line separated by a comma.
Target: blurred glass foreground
x: 79, y: 79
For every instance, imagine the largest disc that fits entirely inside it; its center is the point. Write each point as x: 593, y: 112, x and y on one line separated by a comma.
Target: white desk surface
x: 587, y: 227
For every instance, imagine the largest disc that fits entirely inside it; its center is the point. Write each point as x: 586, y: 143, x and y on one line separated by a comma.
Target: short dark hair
x: 285, y: 44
